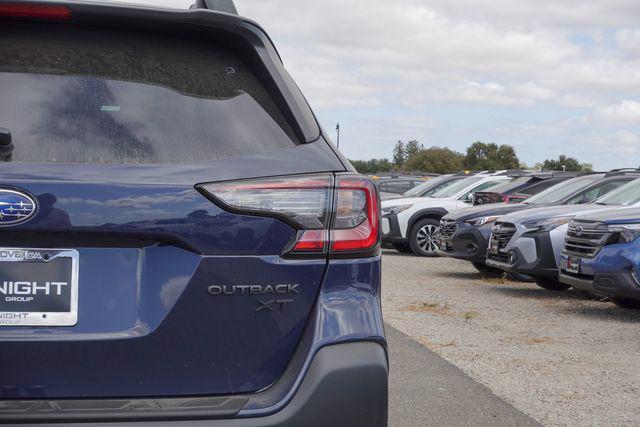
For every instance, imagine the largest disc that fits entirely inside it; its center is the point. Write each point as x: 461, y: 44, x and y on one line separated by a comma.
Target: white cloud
x: 629, y: 40
x: 490, y: 93
x: 629, y: 138
x: 627, y: 148
x: 578, y: 100
x: 627, y: 113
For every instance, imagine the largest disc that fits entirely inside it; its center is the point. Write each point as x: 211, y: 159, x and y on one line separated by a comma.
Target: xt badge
x: 264, y: 304
x: 273, y: 305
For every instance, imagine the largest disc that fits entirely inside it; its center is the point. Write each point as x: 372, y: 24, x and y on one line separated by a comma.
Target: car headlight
x: 626, y: 232
x: 395, y: 209
x: 548, y: 224
x: 482, y: 221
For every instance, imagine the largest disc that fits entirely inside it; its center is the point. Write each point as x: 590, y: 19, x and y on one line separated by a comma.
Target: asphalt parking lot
x: 426, y: 390
x: 467, y: 350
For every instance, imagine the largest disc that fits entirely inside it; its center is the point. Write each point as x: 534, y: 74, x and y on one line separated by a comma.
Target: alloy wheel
x: 427, y: 238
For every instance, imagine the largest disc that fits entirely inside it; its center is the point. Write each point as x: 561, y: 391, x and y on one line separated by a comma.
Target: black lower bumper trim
x: 615, y: 285
x: 346, y: 384
x: 580, y: 283
x: 543, y: 266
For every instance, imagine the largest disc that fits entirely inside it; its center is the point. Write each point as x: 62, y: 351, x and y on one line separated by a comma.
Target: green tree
x: 483, y: 156
x: 566, y: 163
x: 436, y: 160
x: 412, y: 148
x: 399, y: 154
x: 372, y: 166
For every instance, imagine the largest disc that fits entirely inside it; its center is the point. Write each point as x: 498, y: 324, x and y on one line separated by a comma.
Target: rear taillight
x: 336, y: 215
x: 34, y: 11
x: 357, y: 219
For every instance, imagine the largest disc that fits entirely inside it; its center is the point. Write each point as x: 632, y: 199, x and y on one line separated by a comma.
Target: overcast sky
x: 546, y: 76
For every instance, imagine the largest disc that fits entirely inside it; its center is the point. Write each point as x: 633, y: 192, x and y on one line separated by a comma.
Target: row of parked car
x: 557, y: 229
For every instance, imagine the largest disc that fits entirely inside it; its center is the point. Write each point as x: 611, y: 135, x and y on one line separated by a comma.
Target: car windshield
x: 505, y: 186
x: 627, y: 195
x: 454, y: 189
x: 562, y: 190
x: 418, y: 189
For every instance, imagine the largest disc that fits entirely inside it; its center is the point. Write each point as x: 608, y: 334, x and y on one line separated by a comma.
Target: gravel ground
x: 560, y: 358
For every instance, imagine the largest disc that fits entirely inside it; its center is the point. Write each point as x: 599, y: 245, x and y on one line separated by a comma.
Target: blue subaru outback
x: 601, y: 255
x: 180, y: 243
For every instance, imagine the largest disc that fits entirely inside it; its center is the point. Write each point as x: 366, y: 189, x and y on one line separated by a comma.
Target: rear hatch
x: 120, y: 275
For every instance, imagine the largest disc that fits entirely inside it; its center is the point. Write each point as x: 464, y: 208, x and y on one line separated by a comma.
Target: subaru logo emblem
x: 15, y: 207
x: 579, y: 230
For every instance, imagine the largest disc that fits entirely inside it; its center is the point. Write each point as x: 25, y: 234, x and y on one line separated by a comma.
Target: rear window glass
x: 508, y: 185
x: 563, y: 190
x: 458, y: 186
x: 438, y: 187
x: 540, y: 186
x: 626, y: 195
x: 97, y: 96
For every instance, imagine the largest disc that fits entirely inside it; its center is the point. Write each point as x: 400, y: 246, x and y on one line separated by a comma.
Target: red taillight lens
x: 310, y: 241
x: 36, y: 11
x: 356, y: 225
x: 339, y: 216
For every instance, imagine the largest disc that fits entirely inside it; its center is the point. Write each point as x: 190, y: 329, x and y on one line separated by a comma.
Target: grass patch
x: 468, y: 315
x: 526, y: 339
x: 441, y: 308
x: 434, y: 307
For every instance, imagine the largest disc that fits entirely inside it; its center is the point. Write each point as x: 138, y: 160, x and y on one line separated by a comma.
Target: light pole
x: 338, y: 135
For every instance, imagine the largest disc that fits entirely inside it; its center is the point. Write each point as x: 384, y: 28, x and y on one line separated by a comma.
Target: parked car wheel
x: 402, y: 248
x: 485, y: 270
x: 551, y: 284
x: 631, y: 304
x: 423, y: 237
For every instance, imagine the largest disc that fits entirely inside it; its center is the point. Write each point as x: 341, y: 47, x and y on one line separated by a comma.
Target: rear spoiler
x: 225, y: 6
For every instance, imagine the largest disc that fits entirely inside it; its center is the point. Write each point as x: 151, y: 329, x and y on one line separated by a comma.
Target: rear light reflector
x: 36, y: 11
x: 337, y: 215
x: 310, y: 241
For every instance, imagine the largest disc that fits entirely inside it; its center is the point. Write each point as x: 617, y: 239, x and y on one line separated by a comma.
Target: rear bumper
x: 346, y: 384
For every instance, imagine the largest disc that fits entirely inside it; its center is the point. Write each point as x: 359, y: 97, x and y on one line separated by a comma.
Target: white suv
x: 411, y: 224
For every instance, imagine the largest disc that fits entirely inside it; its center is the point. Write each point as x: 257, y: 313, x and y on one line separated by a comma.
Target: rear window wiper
x: 6, y: 146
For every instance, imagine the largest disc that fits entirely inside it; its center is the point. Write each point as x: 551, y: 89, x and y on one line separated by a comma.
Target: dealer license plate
x: 38, y: 287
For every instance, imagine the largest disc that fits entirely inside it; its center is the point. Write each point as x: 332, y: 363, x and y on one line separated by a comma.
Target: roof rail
x: 622, y: 172
x: 625, y: 170
x: 226, y: 6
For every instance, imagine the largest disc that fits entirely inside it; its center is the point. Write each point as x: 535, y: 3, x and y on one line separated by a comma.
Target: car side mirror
x: 469, y: 198
x: 585, y: 200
